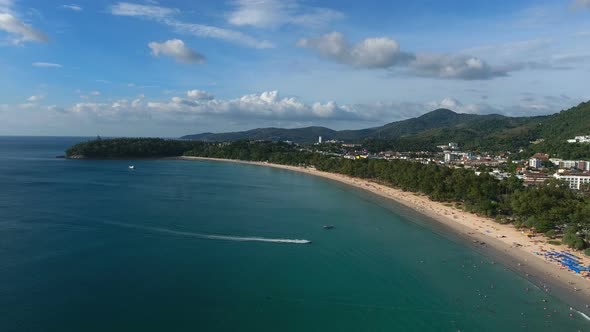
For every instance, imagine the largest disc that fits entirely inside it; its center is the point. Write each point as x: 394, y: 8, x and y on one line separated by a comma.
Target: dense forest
x: 129, y: 148
x: 550, y: 208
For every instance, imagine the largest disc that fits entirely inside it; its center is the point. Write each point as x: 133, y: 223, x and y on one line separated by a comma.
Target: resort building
x: 575, y: 180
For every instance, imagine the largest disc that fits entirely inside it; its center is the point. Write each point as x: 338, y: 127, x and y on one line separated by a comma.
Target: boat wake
x: 208, y: 236
x: 584, y: 315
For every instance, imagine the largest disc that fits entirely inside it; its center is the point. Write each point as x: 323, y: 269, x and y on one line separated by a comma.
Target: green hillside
x: 490, y: 132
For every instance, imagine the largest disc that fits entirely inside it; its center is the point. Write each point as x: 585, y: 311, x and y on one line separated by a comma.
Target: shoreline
x: 498, y: 238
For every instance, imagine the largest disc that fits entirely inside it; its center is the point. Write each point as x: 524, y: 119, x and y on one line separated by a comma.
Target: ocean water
x: 209, y: 246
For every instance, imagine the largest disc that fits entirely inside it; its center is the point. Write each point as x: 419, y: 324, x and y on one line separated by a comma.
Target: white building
x: 449, y: 156
x: 535, y: 163
x: 580, y: 139
x: 320, y: 139
x: 574, y: 180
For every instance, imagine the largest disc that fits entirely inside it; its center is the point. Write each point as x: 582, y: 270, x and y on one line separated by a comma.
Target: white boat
x: 131, y: 167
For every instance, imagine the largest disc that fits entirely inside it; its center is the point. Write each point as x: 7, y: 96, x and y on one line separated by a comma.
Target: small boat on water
x: 328, y: 226
x: 131, y: 167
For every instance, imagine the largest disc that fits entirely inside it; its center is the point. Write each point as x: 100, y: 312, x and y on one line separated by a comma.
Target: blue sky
x: 169, y: 68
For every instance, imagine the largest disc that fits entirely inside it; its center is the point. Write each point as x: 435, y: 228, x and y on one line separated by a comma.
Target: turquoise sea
x: 95, y: 246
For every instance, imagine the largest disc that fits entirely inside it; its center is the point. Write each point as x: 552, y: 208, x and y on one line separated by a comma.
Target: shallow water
x: 177, y: 246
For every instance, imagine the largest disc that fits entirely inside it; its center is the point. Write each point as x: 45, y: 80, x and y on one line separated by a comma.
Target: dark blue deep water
x: 94, y: 246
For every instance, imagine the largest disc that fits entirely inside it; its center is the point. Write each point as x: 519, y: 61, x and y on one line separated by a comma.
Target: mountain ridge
x: 436, y: 119
x: 440, y: 126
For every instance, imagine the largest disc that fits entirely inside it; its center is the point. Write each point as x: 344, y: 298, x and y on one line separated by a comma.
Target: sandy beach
x: 500, y: 240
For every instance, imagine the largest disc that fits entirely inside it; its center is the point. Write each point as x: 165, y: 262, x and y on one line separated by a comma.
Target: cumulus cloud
x: 385, y: 53
x: 266, y: 105
x: 117, y: 110
x: 166, y: 16
x: 46, y: 65
x: 199, y: 95
x: 73, y: 7
x: 369, y: 53
x: 177, y: 49
x: 274, y: 13
x: 23, y: 32
x: 269, y: 107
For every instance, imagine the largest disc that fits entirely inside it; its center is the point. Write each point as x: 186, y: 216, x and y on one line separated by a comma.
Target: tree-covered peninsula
x: 551, y: 208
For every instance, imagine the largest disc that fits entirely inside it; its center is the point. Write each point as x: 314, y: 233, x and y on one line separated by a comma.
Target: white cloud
x: 274, y: 13
x: 267, y: 105
x: 369, y: 53
x: 208, y: 31
x: 199, y: 95
x: 46, y: 65
x: 117, y: 110
x: 175, y: 48
x: 23, y: 31
x: 73, y: 7
x: 147, y: 11
x: 95, y: 93
x: 165, y: 15
x: 385, y: 53
x: 103, y: 81
x: 35, y: 98
x: 454, y: 67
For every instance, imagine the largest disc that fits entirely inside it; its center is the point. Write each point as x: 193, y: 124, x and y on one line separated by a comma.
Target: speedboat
x: 328, y: 226
x: 131, y: 167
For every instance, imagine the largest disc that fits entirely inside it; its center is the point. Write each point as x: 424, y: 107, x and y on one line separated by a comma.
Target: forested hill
x: 557, y: 128
x: 567, y: 124
x: 436, y: 127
